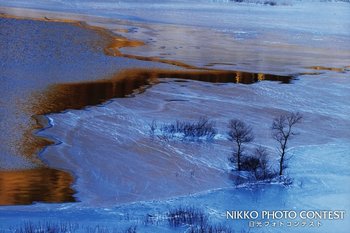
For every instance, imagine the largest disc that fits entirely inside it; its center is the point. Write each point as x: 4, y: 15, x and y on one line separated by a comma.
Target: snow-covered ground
x: 109, y: 150
x: 122, y: 174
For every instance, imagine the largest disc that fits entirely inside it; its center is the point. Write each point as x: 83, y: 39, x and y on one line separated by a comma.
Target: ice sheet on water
x: 249, y: 37
x: 116, y: 160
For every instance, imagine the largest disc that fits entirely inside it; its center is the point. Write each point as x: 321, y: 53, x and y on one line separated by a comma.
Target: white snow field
x: 122, y: 174
x: 120, y: 171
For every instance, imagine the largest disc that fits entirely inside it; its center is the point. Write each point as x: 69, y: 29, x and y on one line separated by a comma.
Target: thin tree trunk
x: 281, y: 163
x: 282, y: 155
x: 239, y: 157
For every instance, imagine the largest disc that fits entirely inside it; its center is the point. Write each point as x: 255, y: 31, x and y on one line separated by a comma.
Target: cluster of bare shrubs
x: 98, y: 229
x: 202, y: 129
x: 65, y: 227
x: 241, y: 134
x: 270, y: 3
x: 195, y: 219
x: 209, y: 229
x: 259, y: 165
x: 186, y: 216
x: 46, y: 227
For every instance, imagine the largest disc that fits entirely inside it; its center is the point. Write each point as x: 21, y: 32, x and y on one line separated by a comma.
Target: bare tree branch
x: 282, y: 132
x: 239, y: 133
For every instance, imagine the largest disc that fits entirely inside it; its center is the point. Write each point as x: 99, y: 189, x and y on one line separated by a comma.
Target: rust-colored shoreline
x: 61, y: 97
x: 115, y: 42
x: 324, y: 68
x: 129, y: 80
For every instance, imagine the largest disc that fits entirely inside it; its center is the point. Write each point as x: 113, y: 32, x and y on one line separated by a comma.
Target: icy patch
x: 126, y: 164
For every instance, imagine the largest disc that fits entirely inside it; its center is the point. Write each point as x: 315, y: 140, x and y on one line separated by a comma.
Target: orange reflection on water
x: 50, y: 185
x: 34, y: 185
x: 327, y: 68
x: 61, y: 97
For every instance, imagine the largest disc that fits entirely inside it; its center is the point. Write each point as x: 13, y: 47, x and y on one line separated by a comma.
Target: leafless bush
x: 186, y: 216
x: 65, y: 227
x: 46, y: 227
x: 205, y: 228
x: 154, y: 219
x: 131, y: 229
x: 271, y: 3
x: 264, y: 171
x: 102, y: 229
x: 259, y: 165
x: 250, y: 164
x: 202, y: 129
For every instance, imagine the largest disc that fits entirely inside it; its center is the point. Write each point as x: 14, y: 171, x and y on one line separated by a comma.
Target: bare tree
x: 282, y: 132
x: 239, y: 133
